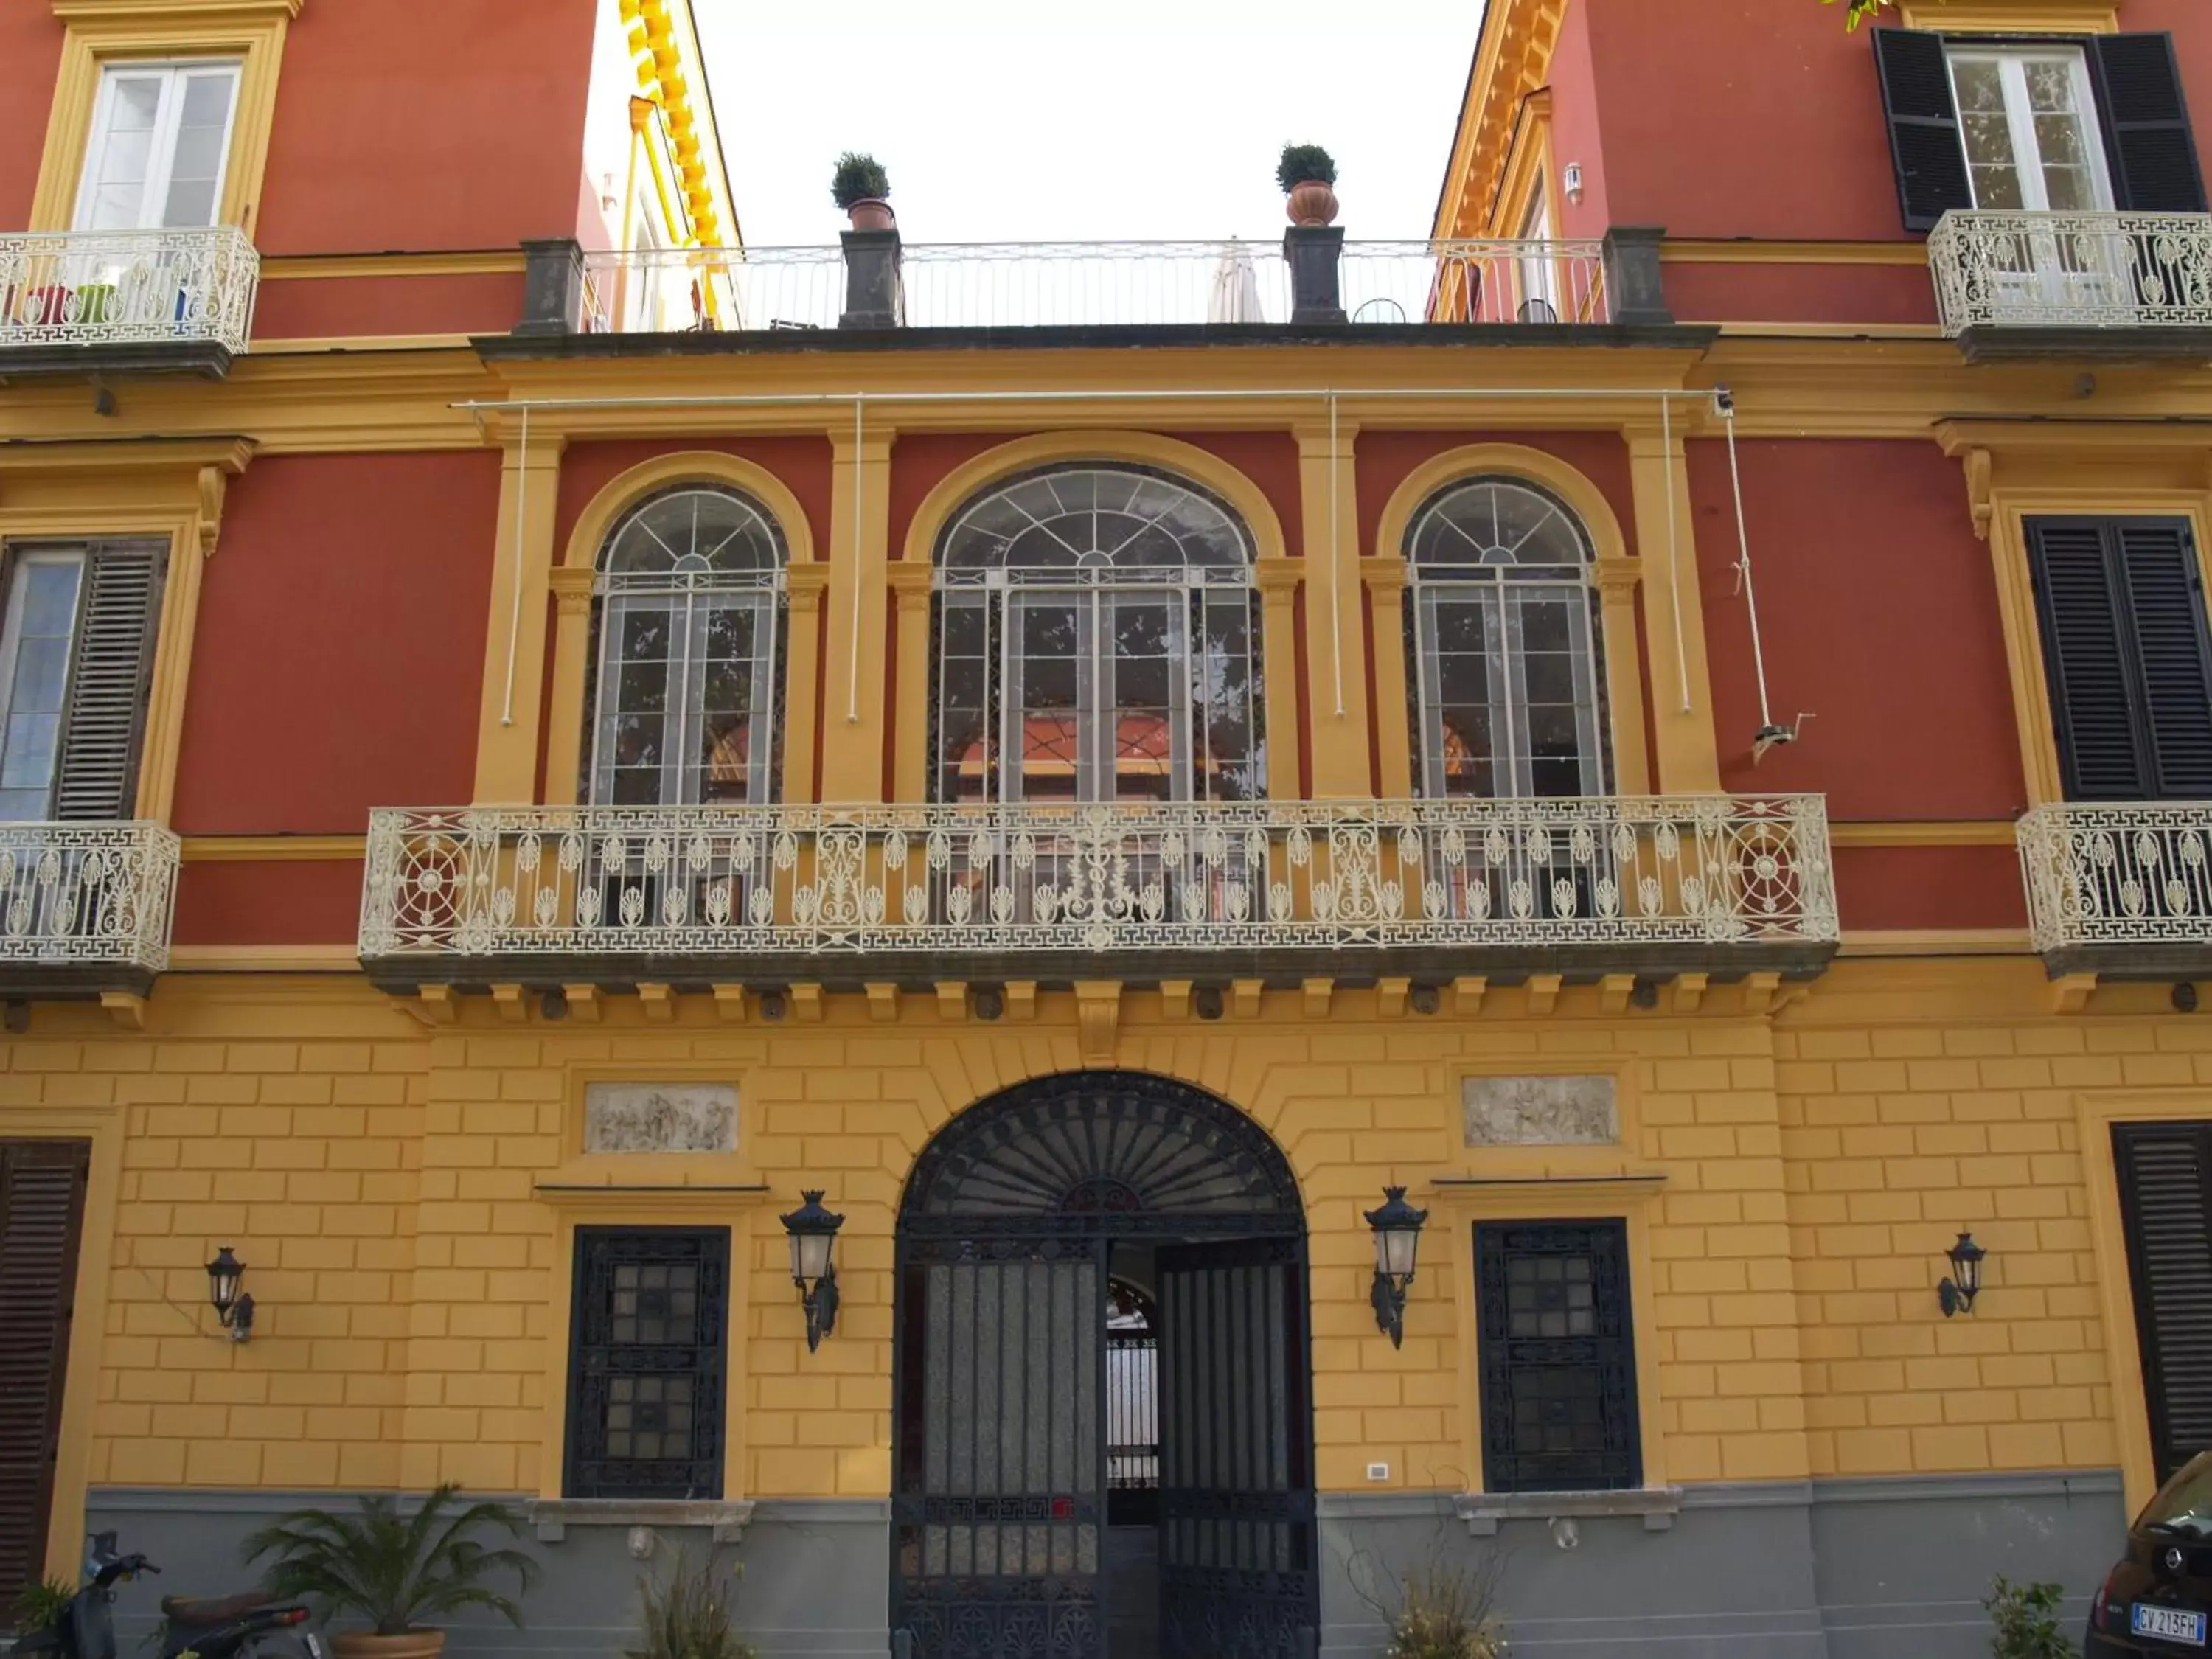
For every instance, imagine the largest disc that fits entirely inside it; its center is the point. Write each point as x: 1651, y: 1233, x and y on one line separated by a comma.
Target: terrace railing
x: 127, y: 288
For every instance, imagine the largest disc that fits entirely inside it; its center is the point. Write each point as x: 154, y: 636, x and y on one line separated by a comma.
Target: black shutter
x: 2104, y: 753
x: 109, y: 683
x: 42, y: 1208
x: 2154, y: 164
x: 2165, y: 1172
x: 1924, y: 145
x: 2173, y: 651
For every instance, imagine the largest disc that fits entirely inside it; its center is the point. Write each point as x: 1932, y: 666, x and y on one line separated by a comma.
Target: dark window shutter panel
x: 2166, y: 591
x: 2165, y: 1172
x: 109, y: 684
x: 2102, y: 754
x: 41, y: 1205
x: 2156, y: 168
x: 1924, y: 145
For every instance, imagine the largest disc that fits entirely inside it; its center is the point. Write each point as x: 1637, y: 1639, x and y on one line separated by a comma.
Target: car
x: 2156, y: 1602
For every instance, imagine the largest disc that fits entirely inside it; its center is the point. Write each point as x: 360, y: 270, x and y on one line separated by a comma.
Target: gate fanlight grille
x: 1135, y: 1154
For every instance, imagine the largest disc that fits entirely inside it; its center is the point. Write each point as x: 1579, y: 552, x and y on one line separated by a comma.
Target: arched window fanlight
x: 1502, y: 634
x: 689, y: 619
x: 1096, y: 640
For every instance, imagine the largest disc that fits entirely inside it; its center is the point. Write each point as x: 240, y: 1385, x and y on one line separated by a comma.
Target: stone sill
x: 553, y: 1516
x: 1484, y: 1511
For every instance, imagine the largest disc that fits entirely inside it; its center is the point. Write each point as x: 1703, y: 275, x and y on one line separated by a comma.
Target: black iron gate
x: 1000, y: 1437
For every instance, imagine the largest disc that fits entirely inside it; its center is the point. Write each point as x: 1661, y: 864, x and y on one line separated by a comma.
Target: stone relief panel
x: 1541, y: 1111
x: 660, y: 1117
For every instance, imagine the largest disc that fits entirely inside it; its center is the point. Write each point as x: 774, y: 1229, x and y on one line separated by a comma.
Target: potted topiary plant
x: 1307, y: 173
x: 393, y: 1570
x: 862, y: 188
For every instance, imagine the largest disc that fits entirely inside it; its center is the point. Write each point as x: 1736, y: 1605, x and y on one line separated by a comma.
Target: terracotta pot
x: 871, y: 214
x: 366, y: 1644
x: 1312, y: 202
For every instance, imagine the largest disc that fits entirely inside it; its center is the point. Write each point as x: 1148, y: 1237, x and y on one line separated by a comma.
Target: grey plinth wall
x: 1872, y: 1569
x: 816, y: 1582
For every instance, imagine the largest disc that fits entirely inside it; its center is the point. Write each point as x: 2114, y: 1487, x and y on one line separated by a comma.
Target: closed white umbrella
x: 1235, y: 295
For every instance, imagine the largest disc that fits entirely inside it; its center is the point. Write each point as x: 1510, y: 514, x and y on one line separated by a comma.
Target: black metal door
x: 998, y: 1519
x: 1236, y: 1507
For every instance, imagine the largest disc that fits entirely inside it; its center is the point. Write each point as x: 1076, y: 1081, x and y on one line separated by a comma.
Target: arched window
x: 1096, y: 640
x: 687, y: 702
x: 1502, y: 637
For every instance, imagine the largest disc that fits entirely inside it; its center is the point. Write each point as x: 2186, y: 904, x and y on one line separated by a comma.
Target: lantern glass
x: 1396, y: 1249
x: 810, y: 1257
x: 223, y: 1274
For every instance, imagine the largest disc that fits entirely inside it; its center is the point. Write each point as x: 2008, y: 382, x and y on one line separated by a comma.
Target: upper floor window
x: 76, y: 658
x: 1503, y: 633
x: 1096, y: 641
x: 2125, y: 648
x: 2043, y: 126
x: 160, y: 147
x: 688, y: 618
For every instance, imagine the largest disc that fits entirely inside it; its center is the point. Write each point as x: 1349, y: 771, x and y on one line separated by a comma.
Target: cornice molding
x: 2013, y: 17
x: 163, y: 11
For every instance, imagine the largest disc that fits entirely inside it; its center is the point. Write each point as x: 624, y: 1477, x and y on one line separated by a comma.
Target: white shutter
x: 106, y: 714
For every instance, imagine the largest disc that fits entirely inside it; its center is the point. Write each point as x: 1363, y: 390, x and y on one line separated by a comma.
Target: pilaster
x: 805, y: 585
x: 854, y: 724
x: 1336, y: 661
x: 508, y: 725
x: 1673, y: 616
x: 1385, y: 581
x: 911, y: 586
x: 1617, y: 580
x: 1277, y: 581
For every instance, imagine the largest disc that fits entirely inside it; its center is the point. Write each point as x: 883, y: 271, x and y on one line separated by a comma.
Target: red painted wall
x: 1892, y: 888
x: 1758, y: 118
x: 339, y: 659
x: 329, y: 307
x: 268, y: 903
x: 426, y: 124
x: 30, y: 57
x: 1784, y: 294
x: 1884, y: 628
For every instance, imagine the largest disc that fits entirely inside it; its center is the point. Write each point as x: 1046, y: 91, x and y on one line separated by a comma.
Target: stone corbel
x: 1618, y: 577
x: 805, y: 584
x: 211, y: 489
x: 573, y: 588
x: 1097, y: 1020
x: 1981, y: 494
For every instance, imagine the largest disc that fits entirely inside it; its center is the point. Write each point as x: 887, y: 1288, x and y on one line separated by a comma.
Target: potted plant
x: 42, y: 1607
x: 1307, y: 174
x: 862, y: 188
x: 395, y: 1571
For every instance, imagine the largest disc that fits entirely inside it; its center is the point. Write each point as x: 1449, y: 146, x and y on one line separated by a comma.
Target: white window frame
x: 161, y: 158
x: 1537, y: 279
x: 2012, y: 62
x: 11, y: 643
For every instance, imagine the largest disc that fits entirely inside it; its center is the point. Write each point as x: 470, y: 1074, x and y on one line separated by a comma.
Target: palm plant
x: 394, y: 1570
x: 688, y: 1616
x: 40, y: 1607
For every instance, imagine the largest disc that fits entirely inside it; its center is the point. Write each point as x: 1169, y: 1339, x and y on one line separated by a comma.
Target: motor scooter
x: 251, y: 1625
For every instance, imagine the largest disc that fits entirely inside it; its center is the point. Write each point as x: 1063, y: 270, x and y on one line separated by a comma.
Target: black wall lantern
x: 1397, y: 1227
x: 231, y: 1309
x: 813, y: 1232
x: 1957, y: 1293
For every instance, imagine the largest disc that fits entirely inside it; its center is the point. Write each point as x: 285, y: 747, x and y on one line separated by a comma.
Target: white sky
x: 1041, y: 120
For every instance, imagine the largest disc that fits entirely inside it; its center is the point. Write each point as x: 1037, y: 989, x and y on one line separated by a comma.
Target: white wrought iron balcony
x: 1051, y: 892
x: 2083, y: 271
x: 84, y: 906
x: 1094, y: 284
x: 134, y: 289
x: 2122, y: 888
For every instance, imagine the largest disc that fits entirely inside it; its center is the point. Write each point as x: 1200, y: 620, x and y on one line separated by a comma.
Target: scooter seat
x: 216, y: 1610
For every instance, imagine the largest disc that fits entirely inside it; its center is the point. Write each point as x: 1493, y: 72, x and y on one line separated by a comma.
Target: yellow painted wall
x: 379, y: 1178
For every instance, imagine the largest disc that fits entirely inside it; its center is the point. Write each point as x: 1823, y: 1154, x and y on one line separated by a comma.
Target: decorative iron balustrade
x: 128, y: 287
x: 2135, y: 877
x: 1080, y: 284
x: 86, y: 896
x: 1066, y: 884
x: 2072, y: 271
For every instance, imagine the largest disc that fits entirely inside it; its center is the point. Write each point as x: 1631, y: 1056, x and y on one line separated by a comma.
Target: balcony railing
x: 1093, y: 284
x: 84, y: 905
x: 2073, y: 271
x: 128, y: 287
x: 2124, y: 888
x: 1050, y: 891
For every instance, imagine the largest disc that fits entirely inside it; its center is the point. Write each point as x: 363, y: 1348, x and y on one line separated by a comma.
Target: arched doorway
x: 1029, y: 1222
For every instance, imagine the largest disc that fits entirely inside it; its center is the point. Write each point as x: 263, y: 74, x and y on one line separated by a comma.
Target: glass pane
x: 732, y: 684
x: 44, y: 602
x: 1987, y: 131
x: 1147, y: 688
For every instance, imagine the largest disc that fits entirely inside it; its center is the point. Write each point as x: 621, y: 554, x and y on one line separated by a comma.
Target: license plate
x: 2169, y: 1623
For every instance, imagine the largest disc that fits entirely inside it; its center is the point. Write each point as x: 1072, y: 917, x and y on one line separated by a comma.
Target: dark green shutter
x: 1924, y: 145
x: 41, y: 1210
x: 2156, y: 167
x: 2165, y: 1172
x: 111, y: 680
x: 2121, y: 606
